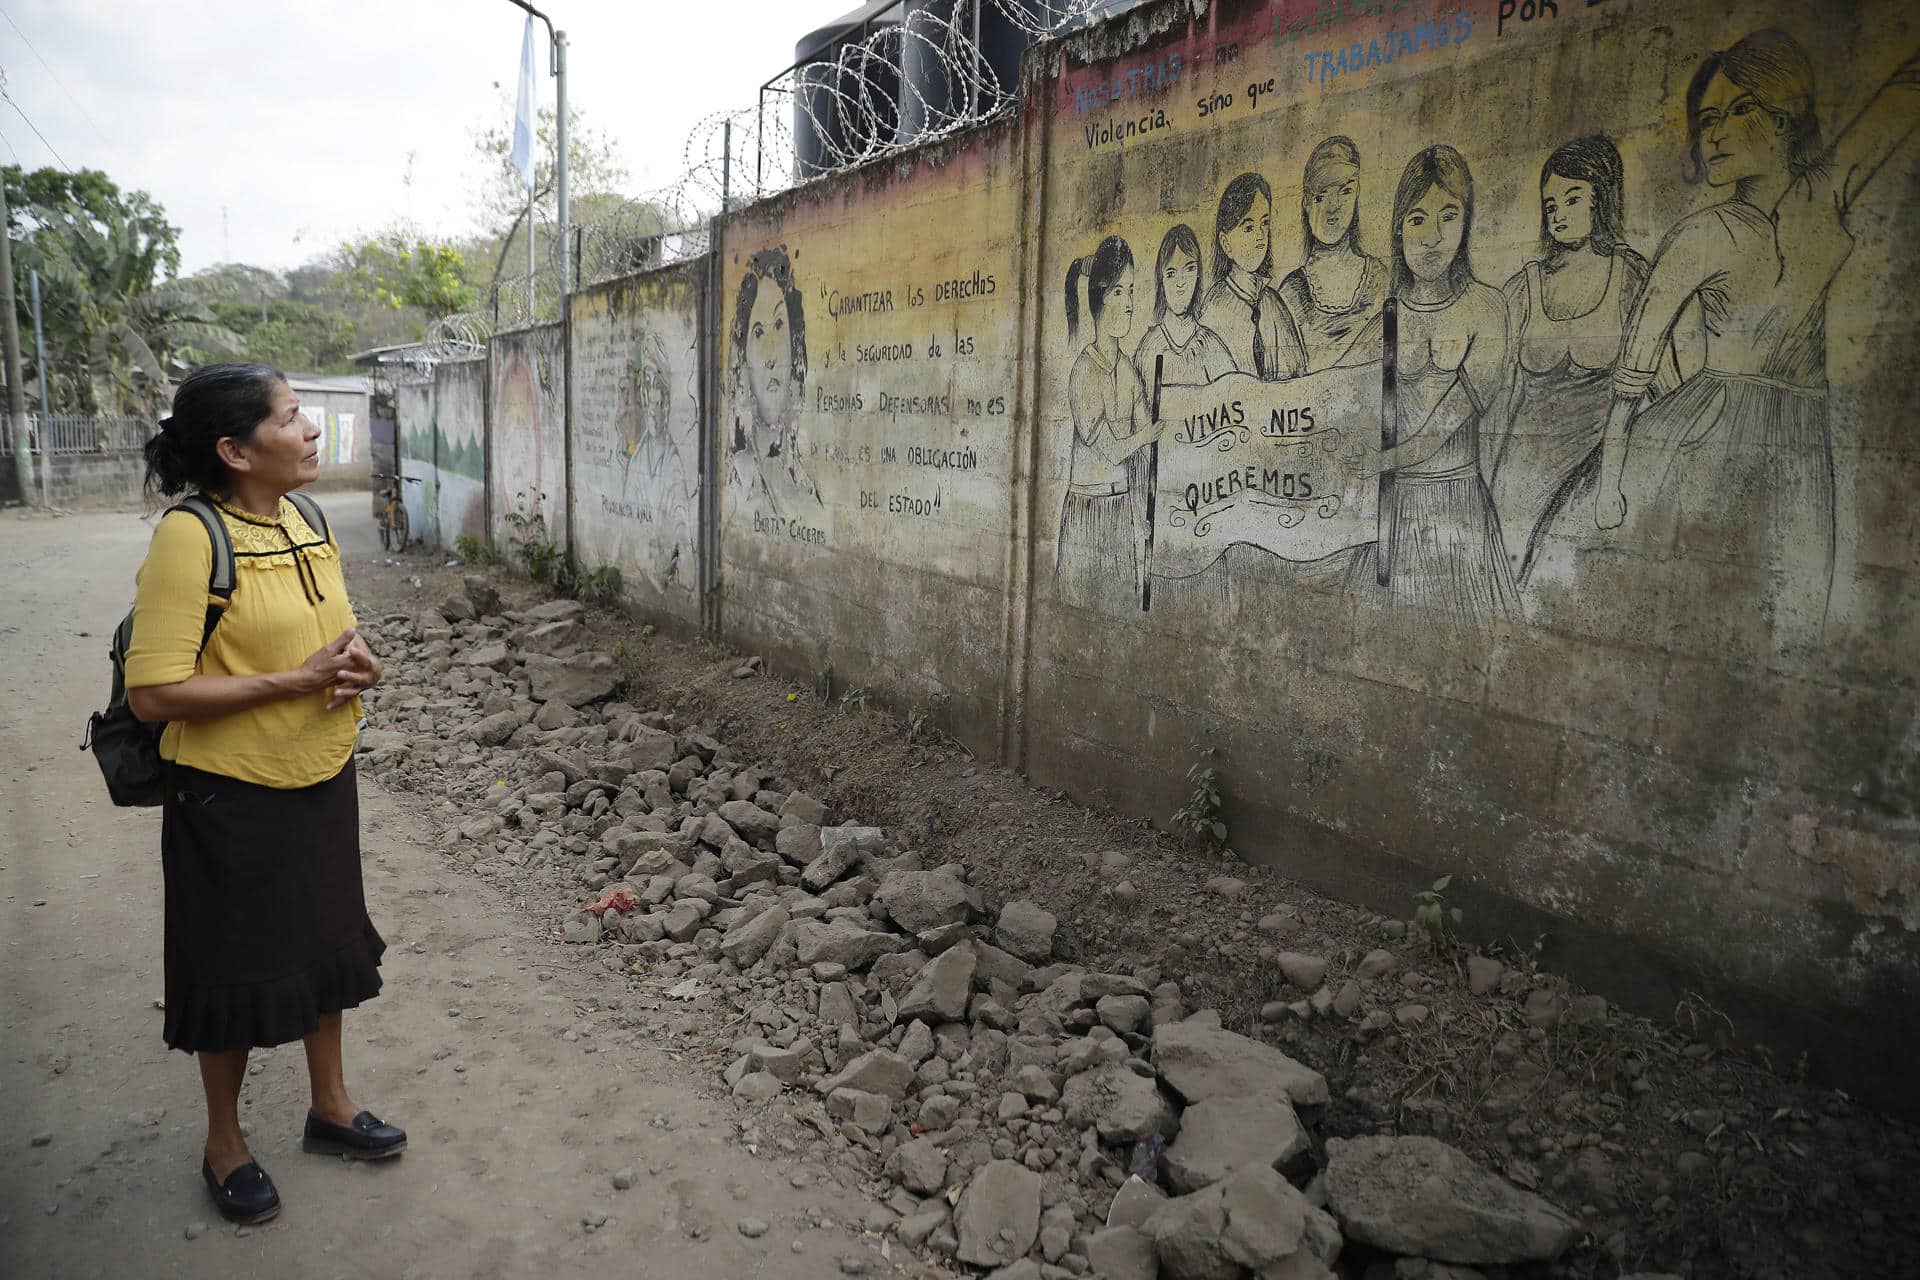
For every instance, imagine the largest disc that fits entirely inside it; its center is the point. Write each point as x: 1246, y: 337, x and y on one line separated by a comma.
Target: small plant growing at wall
x: 1199, y: 821
x: 599, y: 586
x: 1433, y: 917
x: 473, y: 550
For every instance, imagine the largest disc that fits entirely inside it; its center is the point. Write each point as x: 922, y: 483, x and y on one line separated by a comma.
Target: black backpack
x: 126, y: 747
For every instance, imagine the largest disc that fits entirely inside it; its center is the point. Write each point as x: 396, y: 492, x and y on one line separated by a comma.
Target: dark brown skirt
x: 266, y: 922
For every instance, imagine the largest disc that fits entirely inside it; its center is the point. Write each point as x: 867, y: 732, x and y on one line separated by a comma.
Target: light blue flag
x: 523, y: 111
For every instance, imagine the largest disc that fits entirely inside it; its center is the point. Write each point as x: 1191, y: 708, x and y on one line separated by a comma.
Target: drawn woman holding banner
x: 1566, y: 312
x: 1241, y: 306
x: 1190, y: 354
x: 1097, y: 559
x: 1739, y: 460
x: 1334, y: 296
x: 1439, y: 545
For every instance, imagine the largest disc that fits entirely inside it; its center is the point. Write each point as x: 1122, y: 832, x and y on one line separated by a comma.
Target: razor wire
x: 906, y: 82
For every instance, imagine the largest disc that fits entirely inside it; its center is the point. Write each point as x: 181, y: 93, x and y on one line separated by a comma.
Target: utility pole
x: 10, y: 339
x: 557, y: 67
x: 40, y: 348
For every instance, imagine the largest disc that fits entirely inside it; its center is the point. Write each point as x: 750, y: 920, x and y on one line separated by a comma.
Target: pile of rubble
x: 1025, y: 1115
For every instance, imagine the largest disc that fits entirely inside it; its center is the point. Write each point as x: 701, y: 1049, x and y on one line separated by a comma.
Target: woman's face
x: 770, y: 353
x: 1566, y: 204
x: 1739, y: 137
x: 1330, y: 207
x: 1245, y: 242
x: 1430, y: 233
x: 1116, y: 312
x: 1179, y: 279
x: 284, y: 449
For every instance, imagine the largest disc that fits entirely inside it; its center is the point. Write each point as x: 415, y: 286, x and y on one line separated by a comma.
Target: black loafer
x: 247, y: 1196
x: 365, y: 1139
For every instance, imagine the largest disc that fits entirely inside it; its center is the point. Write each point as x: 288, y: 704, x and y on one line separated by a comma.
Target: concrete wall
x: 526, y: 431
x: 458, y: 508
x: 345, y: 433
x: 89, y: 479
x: 637, y: 436
x: 1396, y: 399
x: 867, y: 356
x: 1694, y: 727
x: 413, y: 430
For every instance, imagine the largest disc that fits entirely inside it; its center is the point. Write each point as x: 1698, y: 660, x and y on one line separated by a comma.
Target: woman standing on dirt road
x: 267, y: 935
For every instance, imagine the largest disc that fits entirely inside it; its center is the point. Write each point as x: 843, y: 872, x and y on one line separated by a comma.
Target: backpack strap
x: 310, y: 512
x: 220, y: 576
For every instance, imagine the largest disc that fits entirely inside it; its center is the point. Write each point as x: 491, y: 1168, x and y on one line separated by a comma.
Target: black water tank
x: 841, y: 111
x: 929, y: 96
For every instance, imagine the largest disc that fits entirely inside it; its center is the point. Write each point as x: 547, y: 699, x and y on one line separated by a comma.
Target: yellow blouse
x: 279, y: 614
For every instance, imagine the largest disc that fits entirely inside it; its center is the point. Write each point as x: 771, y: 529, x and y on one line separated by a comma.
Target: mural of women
x: 1566, y: 312
x: 768, y: 370
x: 651, y: 456
x: 1241, y: 306
x: 1189, y: 352
x: 1440, y: 545
x: 1738, y: 461
x: 1334, y: 296
x: 1097, y: 559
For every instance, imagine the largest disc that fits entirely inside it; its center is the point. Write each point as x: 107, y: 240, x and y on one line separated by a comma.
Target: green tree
x: 118, y: 325
x: 400, y: 268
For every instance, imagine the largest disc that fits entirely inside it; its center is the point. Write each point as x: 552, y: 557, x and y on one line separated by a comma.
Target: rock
x: 582, y: 931
x: 1025, y: 1269
x: 1483, y: 974
x: 1122, y: 1253
x: 757, y: 1086
x: 1202, y: 1061
x: 1279, y: 924
x: 1252, y: 1219
x: 998, y: 1216
x: 748, y: 943
x: 1543, y: 1007
x: 552, y: 638
x: 457, y: 608
x: 1131, y: 1014
x: 1056, y: 1232
x: 799, y: 845
x: 624, y: 1179
x: 869, y: 1111
x: 914, y: 1228
x: 1135, y: 1202
x: 1121, y: 1105
x: 880, y: 1071
x: 917, y: 901
x: 837, y: 1008
x: 1302, y: 971
x: 1186, y: 1234
x: 1411, y: 1015
x: 40, y: 1139
x: 593, y: 1219
x: 834, y: 861
x: 919, y: 1166
x: 749, y: 819
x: 555, y: 610
x: 491, y: 731
x: 1228, y: 887
x: 575, y: 680
x: 1025, y: 930
x: 1346, y: 1001
x: 940, y: 990
x: 1420, y: 1197
x: 801, y: 809
x: 683, y: 921
x: 843, y: 942
x: 1377, y: 963
x: 1035, y: 1084
x: 939, y: 1112
x: 195, y: 1230
x: 493, y: 655
x: 916, y: 1046
x: 752, y: 1228
x: 1221, y: 1135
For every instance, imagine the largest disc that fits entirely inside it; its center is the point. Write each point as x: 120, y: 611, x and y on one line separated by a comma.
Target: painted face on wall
x: 1116, y: 314
x: 1739, y: 137
x: 1430, y: 233
x: 1245, y: 242
x: 1330, y: 208
x: 1178, y: 281
x: 769, y: 354
x: 1567, y: 206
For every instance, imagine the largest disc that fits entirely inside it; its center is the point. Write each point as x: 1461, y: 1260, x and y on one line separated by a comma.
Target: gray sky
x: 298, y: 116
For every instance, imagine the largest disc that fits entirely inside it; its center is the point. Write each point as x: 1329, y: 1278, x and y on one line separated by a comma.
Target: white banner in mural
x: 1266, y: 463
x: 342, y: 438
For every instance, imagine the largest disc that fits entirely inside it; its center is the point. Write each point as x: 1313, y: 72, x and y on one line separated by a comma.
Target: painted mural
x: 527, y: 432
x: 413, y: 428
x: 1393, y: 421
x: 867, y: 347
x: 460, y: 450
x: 636, y: 415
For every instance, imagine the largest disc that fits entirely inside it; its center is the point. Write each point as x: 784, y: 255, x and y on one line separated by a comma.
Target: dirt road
x: 523, y: 1083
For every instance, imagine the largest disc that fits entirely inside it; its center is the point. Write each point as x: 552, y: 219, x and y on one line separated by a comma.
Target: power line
x: 10, y: 151
x: 30, y: 124
x: 71, y: 97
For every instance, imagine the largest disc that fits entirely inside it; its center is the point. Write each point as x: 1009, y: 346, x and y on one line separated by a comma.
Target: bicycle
x: 392, y: 516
